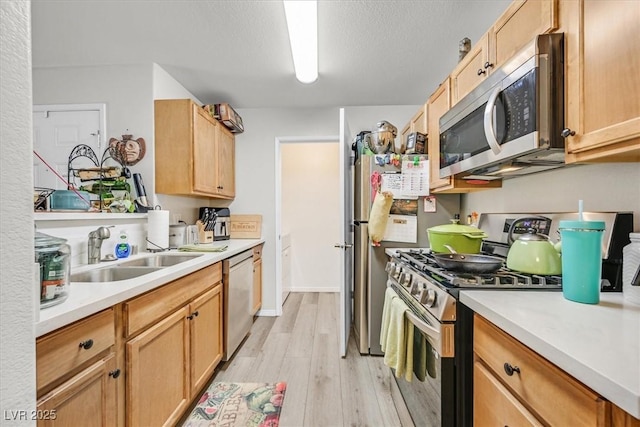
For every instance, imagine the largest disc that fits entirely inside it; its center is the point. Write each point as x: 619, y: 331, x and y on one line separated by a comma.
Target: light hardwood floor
x: 301, y: 348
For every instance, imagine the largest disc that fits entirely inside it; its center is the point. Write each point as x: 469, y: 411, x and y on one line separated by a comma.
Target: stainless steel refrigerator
x: 370, y: 278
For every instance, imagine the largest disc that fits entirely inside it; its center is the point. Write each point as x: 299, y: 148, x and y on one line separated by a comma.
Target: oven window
x: 466, y: 138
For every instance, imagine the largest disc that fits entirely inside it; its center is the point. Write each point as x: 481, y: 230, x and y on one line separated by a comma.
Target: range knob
x: 397, y: 272
x: 390, y: 267
x: 428, y: 297
x: 415, y: 288
x: 405, y: 279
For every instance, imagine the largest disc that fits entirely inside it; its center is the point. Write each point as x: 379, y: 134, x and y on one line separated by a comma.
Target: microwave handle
x: 488, y: 122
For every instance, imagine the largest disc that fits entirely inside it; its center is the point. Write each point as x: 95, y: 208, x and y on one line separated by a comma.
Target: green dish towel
x: 205, y: 247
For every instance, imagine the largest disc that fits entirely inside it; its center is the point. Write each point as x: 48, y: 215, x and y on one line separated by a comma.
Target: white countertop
x: 597, y: 344
x: 89, y: 298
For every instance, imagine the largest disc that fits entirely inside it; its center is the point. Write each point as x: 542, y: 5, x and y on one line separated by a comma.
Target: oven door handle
x: 441, y: 339
x: 428, y: 330
x: 489, y: 112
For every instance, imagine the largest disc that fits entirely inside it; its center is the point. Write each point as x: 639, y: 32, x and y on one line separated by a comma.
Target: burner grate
x: 504, y: 278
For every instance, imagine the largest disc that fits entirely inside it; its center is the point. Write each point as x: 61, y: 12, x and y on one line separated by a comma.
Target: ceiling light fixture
x: 302, y: 22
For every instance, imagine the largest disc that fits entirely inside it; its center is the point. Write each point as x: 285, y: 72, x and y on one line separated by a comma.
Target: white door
x: 57, y: 130
x: 346, y: 246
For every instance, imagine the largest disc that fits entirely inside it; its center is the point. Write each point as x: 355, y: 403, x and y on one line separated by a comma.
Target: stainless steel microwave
x: 512, y: 123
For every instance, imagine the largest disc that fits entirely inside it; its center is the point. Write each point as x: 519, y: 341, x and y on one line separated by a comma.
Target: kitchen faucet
x: 95, y: 243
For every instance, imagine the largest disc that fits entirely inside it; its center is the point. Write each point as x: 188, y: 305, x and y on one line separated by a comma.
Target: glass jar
x: 54, y: 256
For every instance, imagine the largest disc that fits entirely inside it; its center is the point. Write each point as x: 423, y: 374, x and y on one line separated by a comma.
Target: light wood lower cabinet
x: 494, y: 405
x: 169, y: 362
x: 87, y: 399
x: 157, y: 378
x: 515, y: 386
x: 76, y: 373
x: 257, y: 279
x: 205, y: 343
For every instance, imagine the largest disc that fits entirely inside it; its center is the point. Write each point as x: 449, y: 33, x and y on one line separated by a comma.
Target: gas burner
x: 423, y: 261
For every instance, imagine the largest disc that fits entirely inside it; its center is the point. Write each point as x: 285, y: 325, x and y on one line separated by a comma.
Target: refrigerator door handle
x: 341, y: 246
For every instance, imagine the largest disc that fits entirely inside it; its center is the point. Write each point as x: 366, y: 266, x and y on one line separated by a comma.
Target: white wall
x: 186, y: 208
x: 127, y: 91
x: 255, y: 162
x: 606, y: 187
x: 310, y: 213
x: 18, y: 291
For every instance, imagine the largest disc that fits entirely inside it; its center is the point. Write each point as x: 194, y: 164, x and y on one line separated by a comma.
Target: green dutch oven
x: 464, y: 239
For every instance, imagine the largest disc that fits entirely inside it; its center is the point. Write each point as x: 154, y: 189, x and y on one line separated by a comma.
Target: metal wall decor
x: 127, y: 151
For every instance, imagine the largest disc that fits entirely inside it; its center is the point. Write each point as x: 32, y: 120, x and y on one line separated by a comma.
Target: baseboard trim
x: 267, y: 313
x: 315, y: 289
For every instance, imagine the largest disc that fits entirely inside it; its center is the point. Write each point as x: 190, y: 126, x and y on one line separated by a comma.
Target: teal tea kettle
x: 533, y: 253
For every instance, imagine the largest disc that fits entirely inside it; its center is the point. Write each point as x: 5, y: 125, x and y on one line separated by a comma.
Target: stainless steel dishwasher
x: 238, y: 283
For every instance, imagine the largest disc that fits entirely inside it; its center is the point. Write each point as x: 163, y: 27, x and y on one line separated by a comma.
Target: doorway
x: 307, y: 215
x: 57, y: 129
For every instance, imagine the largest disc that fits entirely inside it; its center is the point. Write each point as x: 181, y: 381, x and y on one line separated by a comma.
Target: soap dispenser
x: 123, y: 248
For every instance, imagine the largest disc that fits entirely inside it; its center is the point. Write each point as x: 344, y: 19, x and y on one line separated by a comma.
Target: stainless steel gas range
x: 445, y: 397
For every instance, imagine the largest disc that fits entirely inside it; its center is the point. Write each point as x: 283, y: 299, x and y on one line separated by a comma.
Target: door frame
x: 71, y: 108
x: 278, y: 202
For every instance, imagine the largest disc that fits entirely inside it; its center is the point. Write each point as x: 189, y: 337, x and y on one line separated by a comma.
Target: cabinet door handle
x: 567, y: 133
x: 488, y: 65
x: 481, y: 71
x: 195, y: 313
x: 86, y: 344
x: 509, y: 369
x: 115, y: 373
x: 192, y: 315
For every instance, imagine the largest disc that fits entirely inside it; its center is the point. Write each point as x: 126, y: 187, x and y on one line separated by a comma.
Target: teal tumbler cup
x: 581, y: 260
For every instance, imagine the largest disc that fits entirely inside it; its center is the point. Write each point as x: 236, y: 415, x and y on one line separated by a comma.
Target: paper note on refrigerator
x: 401, y: 228
x: 392, y: 182
x: 415, y: 177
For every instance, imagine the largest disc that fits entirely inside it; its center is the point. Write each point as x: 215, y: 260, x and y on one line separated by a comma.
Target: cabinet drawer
x: 547, y: 391
x: 146, y: 309
x: 494, y: 405
x: 61, y: 351
x: 257, y: 252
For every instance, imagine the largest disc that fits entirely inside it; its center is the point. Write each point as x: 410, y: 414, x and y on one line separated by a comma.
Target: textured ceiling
x: 387, y: 52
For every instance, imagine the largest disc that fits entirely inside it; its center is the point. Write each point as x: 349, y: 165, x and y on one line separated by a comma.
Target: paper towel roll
x: 157, y: 230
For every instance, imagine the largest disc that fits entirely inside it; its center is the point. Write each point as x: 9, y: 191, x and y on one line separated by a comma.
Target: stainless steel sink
x: 162, y: 260
x: 112, y: 274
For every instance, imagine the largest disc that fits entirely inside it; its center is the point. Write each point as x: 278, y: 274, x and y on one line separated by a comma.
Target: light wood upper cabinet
x: 602, y: 80
x: 194, y: 153
x: 419, y: 120
x: 438, y: 104
x: 226, y: 165
x: 516, y: 27
x: 471, y: 70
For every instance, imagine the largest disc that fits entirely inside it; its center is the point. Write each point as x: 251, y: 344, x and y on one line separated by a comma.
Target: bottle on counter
x: 123, y: 248
x: 631, y: 269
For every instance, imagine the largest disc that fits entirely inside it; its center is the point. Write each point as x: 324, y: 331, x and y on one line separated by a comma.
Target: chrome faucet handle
x: 95, y: 243
x: 102, y: 232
